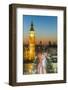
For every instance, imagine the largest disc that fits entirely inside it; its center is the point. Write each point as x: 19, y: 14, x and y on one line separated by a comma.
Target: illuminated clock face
x: 31, y: 34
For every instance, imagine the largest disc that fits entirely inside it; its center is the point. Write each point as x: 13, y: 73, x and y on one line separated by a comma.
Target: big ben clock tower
x: 29, y: 52
x: 31, y: 42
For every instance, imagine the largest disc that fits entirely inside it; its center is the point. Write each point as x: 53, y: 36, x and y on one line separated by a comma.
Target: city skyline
x: 45, y: 28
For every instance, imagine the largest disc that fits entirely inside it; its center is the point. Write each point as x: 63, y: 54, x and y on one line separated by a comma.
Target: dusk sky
x: 45, y: 28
